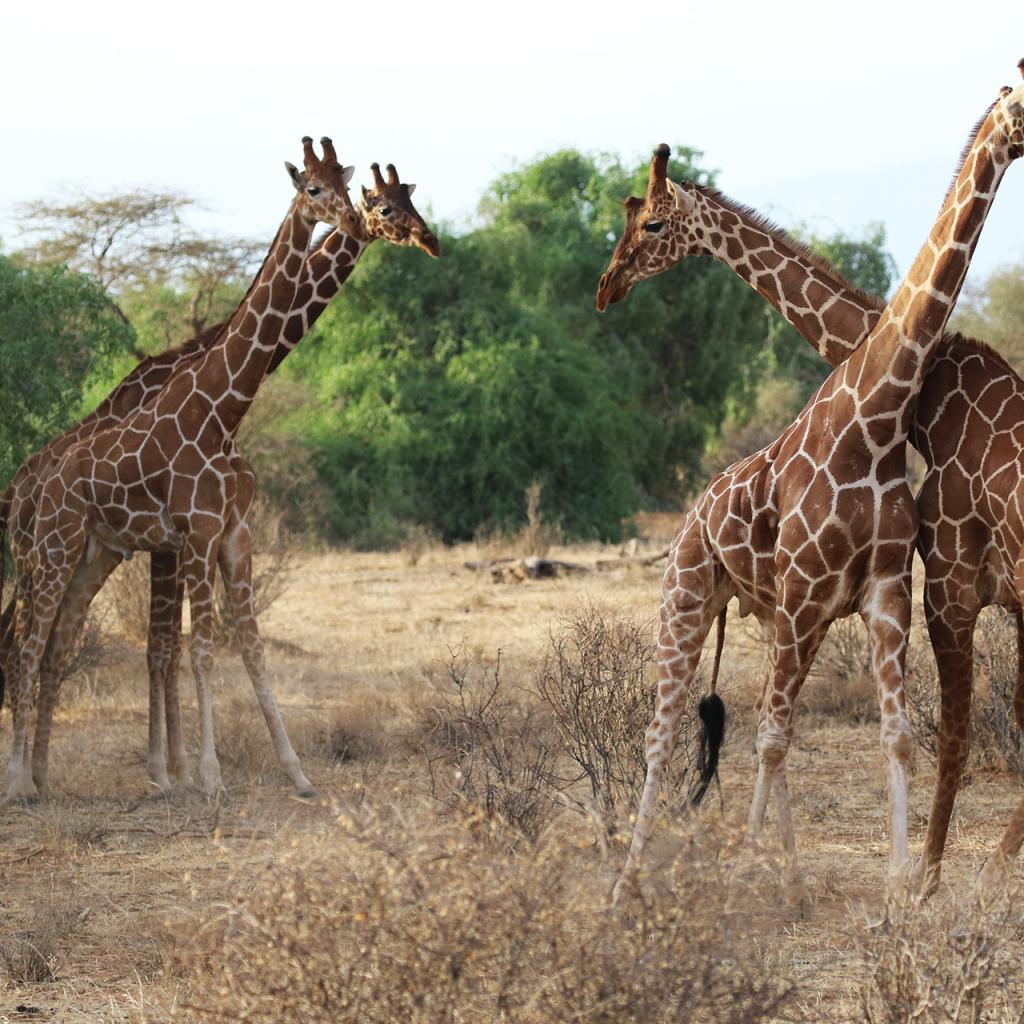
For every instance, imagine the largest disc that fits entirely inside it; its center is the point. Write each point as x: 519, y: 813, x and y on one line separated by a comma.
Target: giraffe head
x: 1008, y: 113
x: 659, y: 233
x: 388, y: 213
x: 322, y: 187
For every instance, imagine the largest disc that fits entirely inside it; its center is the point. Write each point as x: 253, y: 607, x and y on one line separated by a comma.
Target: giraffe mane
x: 967, y: 148
x: 222, y: 327
x: 805, y: 252
x: 955, y: 339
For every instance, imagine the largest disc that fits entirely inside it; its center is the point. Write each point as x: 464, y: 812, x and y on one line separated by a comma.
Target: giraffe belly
x: 143, y: 532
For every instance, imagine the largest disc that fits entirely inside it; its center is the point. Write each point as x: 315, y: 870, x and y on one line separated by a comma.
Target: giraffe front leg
x: 795, y: 889
x: 886, y: 613
x: 166, y: 742
x: 236, y: 569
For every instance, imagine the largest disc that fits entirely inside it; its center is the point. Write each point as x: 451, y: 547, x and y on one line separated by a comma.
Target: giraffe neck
x: 897, y: 352
x: 327, y: 270
x: 826, y: 309
x: 228, y: 376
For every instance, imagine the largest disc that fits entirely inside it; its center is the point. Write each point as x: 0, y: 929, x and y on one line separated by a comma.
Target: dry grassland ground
x: 408, y: 886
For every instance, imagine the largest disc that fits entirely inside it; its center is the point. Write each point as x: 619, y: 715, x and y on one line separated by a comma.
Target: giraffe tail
x: 711, y: 711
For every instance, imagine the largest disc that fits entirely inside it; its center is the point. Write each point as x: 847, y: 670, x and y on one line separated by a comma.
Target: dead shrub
x: 244, y: 747
x: 88, y: 648
x: 421, y: 922
x: 995, y: 737
x: 128, y: 588
x: 31, y: 956
x: 360, y: 731
x: 69, y: 826
x: 597, y: 677
x: 498, y: 747
x: 940, y: 963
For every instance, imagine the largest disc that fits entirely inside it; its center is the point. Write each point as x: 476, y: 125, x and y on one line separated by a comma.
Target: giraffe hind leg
x: 691, y: 600
x: 85, y: 583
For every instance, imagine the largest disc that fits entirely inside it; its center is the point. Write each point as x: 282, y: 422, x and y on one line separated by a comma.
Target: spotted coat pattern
x: 168, y: 479
x: 821, y: 523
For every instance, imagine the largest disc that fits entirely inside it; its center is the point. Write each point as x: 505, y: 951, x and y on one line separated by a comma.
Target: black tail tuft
x: 712, y: 733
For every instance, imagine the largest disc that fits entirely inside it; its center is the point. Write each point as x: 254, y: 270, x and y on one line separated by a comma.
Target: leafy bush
x: 58, y: 331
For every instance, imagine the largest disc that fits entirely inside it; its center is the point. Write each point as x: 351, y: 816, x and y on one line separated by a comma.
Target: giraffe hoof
x: 923, y: 881
x: 309, y: 793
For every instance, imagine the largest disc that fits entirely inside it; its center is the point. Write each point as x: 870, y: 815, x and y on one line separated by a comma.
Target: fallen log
x: 515, y: 570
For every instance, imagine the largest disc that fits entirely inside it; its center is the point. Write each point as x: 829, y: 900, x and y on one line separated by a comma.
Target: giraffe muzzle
x: 611, y: 288
x: 430, y: 244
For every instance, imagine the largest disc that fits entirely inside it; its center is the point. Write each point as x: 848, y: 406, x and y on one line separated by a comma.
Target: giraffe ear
x: 410, y: 189
x: 366, y: 192
x: 293, y: 171
x: 346, y: 174
x: 683, y: 199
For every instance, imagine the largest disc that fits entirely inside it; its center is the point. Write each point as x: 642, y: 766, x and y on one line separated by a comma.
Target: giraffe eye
x: 385, y: 211
x: 654, y: 226
x: 313, y: 190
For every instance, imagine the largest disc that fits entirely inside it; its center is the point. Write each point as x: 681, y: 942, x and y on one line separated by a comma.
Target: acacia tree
x: 119, y: 238
x: 171, y: 281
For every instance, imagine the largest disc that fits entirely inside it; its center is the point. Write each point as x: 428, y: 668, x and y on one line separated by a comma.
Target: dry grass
x: 32, y: 955
x: 415, y: 919
x: 472, y: 908
x: 944, y: 962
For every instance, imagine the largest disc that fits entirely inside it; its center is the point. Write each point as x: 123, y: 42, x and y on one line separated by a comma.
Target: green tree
x: 58, y: 333
x: 449, y: 388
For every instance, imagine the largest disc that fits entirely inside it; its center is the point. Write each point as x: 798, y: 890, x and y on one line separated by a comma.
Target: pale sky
x: 810, y: 112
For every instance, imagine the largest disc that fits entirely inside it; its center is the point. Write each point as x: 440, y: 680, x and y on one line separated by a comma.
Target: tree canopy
x: 437, y: 393
x: 59, y: 334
